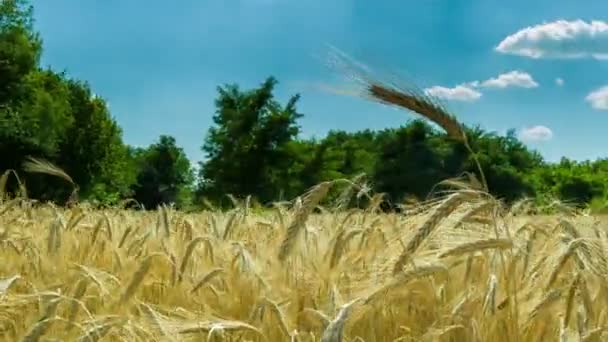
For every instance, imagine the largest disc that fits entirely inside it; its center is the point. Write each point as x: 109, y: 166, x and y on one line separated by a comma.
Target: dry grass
x: 438, y: 275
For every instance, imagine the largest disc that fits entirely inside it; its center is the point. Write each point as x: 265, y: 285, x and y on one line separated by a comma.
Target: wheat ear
x: 439, y: 213
x: 35, y: 165
x: 335, y: 330
x: 310, y: 201
x: 138, y: 277
x: 473, y: 246
x: 189, y: 250
x: 419, y: 103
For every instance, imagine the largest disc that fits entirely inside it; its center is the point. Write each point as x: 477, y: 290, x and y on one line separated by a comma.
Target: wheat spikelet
x: 230, y: 225
x: 439, y: 213
x: 108, y: 226
x: 138, y: 243
x: 188, y: 230
x: 323, y: 318
x: 54, y: 237
x: 81, y: 288
x: 3, y: 181
x: 403, y: 278
x: 548, y: 299
x: 489, y: 302
x: 138, y: 277
x: 563, y: 258
x: 36, y: 165
x: 583, y: 292
x: 75, y: 218
x: 163, y: 220
x: 189, y: 250
x: 474, y: 246
x: 225, y: 325
x: 125, y: 234
x: 96, y: 230
x: 416, y: 103
x: 341, y: 241
x: 346, y: 194
x: 310, y: 201
x: 154, y: 318
x: 41, y: 327
x: 99, y: 331
x: 97, y: 277
x: 570, y: 300
x: 335, y: 330
x: 274, y: 307
x: 207, y: 278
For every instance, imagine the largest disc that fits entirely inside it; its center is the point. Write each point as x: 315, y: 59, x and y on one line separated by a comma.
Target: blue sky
x: 494, y: 63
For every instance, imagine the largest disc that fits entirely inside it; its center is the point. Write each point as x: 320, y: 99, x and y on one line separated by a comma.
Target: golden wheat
x: 84, y: 275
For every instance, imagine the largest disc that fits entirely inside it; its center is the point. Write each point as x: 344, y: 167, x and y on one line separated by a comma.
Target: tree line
x: 253, y: 147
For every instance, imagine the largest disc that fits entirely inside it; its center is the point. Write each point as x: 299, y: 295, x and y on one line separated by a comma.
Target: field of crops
x: 461, y: 269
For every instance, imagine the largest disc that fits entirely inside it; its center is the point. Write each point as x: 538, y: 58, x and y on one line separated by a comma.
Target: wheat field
x: 461, y: 268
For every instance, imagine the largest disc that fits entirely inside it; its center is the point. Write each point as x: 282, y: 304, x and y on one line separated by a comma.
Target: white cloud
x: 513, y: 78
x: 559, y: 81
x: 535, y: 133
x: 468, y: 91
x: 559, y: 39
x: 458, y: 93
x: 598, y: 98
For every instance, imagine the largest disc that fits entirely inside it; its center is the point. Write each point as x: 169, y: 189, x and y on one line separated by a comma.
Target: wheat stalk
x: 421, y: 104
x: 439, y: 213
x: 310, y: 201
x: 479, y: 245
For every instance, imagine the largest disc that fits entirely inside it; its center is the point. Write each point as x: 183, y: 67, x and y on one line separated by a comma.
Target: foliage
x: 253, y: 148
x: 164, y: 174
x: 248, y: 149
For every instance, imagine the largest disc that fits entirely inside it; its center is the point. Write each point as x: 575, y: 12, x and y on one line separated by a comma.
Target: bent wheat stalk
x: 35, y: 165
x: 422, y: 104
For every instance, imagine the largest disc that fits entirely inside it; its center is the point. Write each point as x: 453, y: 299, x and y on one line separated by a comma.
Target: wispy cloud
x: 559, y: 81
x: 535, y: 133
x: 469, y: 91
x: 458, y: 93
x: 598, y: 98
x: 559, y: 39
x: 513, y: 78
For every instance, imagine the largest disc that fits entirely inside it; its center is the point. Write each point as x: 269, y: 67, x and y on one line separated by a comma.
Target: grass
x: 441, y: 274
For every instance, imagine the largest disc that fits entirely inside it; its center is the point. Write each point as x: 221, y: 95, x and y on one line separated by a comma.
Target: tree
x: 407, y: 164
x: 248, y: 149
x: 46, y: 115
x: 20, y: 50
x: 165, y: 175
x: 93, y: 151
x: 30, y: 115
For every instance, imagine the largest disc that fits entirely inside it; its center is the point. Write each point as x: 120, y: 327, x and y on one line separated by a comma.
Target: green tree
x: 407, y: 164
x: 44, y: 114
x: 32, y: 121
x: 93, y: 151
x: 248, y: 149
x: 20, y: 50
x: 165, y: 175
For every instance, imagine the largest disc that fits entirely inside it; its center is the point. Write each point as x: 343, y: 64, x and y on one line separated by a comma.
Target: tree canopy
x: 253, y: 148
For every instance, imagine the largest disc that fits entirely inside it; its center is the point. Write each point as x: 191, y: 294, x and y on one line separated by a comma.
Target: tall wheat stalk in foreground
x: 42, y: 166
x: 409, y: 99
